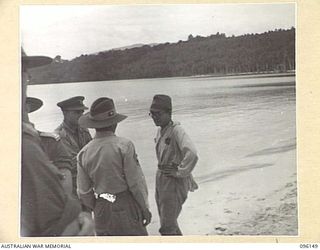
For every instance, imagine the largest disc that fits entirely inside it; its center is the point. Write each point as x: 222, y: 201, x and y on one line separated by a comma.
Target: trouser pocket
x: 119, y: 218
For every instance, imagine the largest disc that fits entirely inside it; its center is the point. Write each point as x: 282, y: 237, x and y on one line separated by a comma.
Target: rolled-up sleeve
x: 188, y: 151
x: 134, y: 176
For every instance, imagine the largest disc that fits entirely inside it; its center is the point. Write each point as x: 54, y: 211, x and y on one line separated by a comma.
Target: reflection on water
x: 227, y: 118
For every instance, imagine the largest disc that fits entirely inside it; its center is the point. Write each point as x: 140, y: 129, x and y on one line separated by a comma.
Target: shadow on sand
x: 274, y: 150
x: 226, y: 173
x: 290, y: 145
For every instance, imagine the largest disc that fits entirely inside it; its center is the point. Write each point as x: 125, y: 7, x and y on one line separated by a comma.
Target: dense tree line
x: 216, y: 54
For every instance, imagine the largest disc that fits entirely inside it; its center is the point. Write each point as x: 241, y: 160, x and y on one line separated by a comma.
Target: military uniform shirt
x: 109, y: 164
x: 56, y: 150
x: 74, y: 140
x: 45, y: 209
x: 174, y: 146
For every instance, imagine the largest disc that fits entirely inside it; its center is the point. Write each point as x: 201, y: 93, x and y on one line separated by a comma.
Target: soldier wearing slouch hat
x: 110, y: 178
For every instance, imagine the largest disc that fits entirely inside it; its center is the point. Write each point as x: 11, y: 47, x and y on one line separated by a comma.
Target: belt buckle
x: 109, y: 197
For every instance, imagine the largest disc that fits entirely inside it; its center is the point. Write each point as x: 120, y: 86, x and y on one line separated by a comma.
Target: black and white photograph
x: 158, y: 120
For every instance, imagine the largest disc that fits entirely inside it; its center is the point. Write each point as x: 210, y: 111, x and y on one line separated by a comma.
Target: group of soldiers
x: 73, y: 184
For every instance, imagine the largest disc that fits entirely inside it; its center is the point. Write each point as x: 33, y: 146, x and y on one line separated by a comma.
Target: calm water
x: 228, y: 118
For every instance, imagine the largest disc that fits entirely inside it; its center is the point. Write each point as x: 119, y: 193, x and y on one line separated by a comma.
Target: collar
x: 101, y: 134
x: 71, y: 129
x: 28, y: 129
x: 163, y: 130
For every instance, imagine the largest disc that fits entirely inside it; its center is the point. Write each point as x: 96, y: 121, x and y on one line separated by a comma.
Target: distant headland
x: 215, y: 55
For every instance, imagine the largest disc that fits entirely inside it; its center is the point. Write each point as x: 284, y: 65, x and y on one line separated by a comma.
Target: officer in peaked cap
x: 72, y: 135
x: 73, y: 103
x: 54, y: 148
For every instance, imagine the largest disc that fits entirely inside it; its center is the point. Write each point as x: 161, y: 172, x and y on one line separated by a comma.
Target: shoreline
x: 249, y: 75
x: 217, y: 76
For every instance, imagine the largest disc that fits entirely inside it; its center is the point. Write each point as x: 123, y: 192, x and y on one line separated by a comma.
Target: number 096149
x: 307, y: 246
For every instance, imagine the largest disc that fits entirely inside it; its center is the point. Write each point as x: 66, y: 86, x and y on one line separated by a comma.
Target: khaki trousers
x: 171, y: 193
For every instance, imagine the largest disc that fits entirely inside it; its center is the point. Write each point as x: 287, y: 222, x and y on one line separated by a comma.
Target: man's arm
x: 57, y: 152
x: 136, y: 181
x: 84, y: 185
x: 189, y: 153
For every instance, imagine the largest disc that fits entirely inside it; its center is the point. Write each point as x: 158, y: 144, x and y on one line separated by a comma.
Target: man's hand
x: 170, y: 172
x: 146, y: 216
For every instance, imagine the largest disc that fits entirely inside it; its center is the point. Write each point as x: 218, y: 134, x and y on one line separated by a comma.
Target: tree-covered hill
x: 217, y: 54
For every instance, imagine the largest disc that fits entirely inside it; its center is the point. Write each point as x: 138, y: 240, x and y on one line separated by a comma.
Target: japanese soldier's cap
x: 33, y: 104
x: 102, y: 114
x: 73, y: 103
x: 161, y: 102
x: 33, y: 61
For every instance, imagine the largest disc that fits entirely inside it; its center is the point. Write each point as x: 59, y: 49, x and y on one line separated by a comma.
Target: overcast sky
x: 70, y: 31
